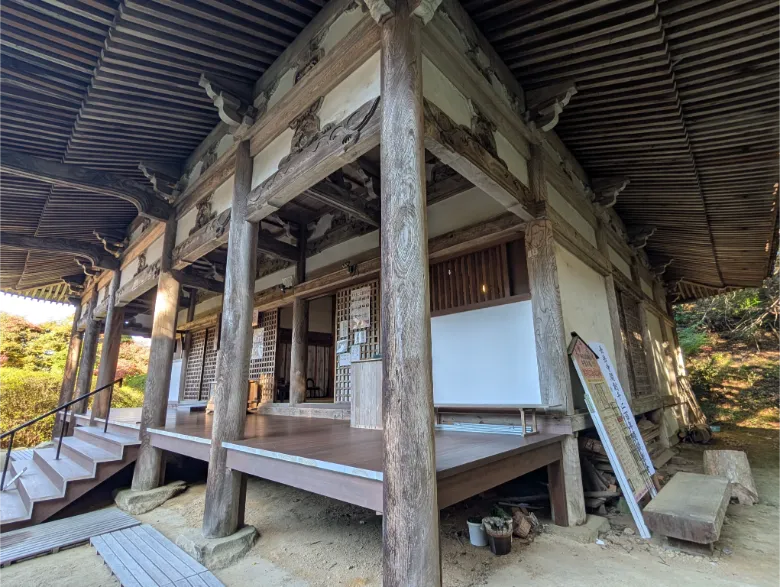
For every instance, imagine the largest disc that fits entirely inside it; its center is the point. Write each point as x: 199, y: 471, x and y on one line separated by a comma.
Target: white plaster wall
x: 515, y: 162
x: 584, y: 301
x: 485, y: 357
x: 224, y: 144
x: 185, y: 224
x: 360, y: 86
x: 619, y: 262
x: 102, y: 294
x: 173, y: 388
x: 646, y: 288
x: 570, y: 214
x: 659, y: 359
x: 320, y: 315
x: 439, y: 90
x: 464, y: 209
x: 284, y: 85
x: 266, y: 162
x: 128, y: 272
x: 222, y: 198
x: 154, y: 252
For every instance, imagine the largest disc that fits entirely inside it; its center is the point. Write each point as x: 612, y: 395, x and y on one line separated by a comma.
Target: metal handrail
x: 63, y: 426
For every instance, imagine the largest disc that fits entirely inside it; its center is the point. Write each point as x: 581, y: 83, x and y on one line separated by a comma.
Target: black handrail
x: 63, y: 426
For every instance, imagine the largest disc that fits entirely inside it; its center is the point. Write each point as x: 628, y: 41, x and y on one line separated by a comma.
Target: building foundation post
x: 109, y: 355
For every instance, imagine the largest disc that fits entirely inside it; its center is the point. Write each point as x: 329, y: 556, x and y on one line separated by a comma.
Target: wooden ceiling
x: 679, y: 96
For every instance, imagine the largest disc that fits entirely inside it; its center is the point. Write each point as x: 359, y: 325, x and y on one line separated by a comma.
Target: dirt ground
x: 311, y: 541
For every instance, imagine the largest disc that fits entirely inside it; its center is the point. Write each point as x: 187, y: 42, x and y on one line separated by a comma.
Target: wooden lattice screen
x: 342, y: 385
x: 474, y: 278
x: 209, y: 364
x: 631, y: 330
x: 194, y: 366
x: 263, y: 370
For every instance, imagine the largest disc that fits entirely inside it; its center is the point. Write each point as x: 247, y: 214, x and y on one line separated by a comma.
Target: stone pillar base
x: 217, y: 553
x: 139, y: 502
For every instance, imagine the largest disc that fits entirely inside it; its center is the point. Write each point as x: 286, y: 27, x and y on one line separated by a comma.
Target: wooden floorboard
x: 143, y: 557
x: 52, y: 536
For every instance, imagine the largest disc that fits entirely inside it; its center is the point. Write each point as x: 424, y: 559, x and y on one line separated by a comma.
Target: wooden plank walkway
x: 142, y: 557
x: 53, y: 536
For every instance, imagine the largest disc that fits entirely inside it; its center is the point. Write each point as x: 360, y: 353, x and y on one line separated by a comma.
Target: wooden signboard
x: 616, y: 426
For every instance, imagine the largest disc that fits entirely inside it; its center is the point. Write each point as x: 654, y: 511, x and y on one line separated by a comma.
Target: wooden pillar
x: 551, y: 356
x: 620, y: 358
x: 112, y: 338
x: 88, y: 352
x: 148, y: 467
x: 411, y: 553
x: 187, y: 346
x: 223, y: 489
x: 71, y: 365
x: 299, y: 350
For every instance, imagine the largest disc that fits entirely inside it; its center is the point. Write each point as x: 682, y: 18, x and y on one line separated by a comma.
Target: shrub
x: 25, y: 394
x: 692, y: 340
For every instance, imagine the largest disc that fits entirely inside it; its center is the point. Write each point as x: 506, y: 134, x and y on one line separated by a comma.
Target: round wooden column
x: 223, y: 489
x: 71, y: 365
x: 299, y: 350
x: 411, y: 553
x: 148, y: 467
x: 88, y: 353
x: 112, y: 338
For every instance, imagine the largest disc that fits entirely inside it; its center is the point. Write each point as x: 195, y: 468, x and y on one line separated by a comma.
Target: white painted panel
x: 154, y: 252
x: 619, y: 262
x: 439, y: 90
x: 102, y: 295
x: 345, y: 22
x: 465, y: 209
x: 485, y: 357
x: 224, y: 144
x: 173, y: 388
x: 222, y: 198
x: 128, y: 272
x: 320, y: 315
x: 515, y: 162
x: 185, y: 224
x: 646, y: 287
x: 283, y: 86
x: 266, y: 162
x: 360, y: 86
x: 570, y: 214
x: 659, y: 358
x: 584, y: 301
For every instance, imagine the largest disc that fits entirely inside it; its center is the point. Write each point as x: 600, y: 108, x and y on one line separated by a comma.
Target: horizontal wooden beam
x: 342, y: 199
x: 83, y: 178
x: 325, y: 154
x: 198, y: 282
x: 276, y: 248
x: 95, y: 253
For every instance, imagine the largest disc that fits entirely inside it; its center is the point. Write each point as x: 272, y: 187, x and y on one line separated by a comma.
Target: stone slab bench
x: 690, y: 507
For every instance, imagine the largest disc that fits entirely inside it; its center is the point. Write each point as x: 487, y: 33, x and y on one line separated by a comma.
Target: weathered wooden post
x: 551, y: 355
x: 224, y: 496
x: 148, y: 467
x: 71, y: 365
x: 88, y: 352
x: 411, y: 553
x: 112, y: 338
x: 299, y: 351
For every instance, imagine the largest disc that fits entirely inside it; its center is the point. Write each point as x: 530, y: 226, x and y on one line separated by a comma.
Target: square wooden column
x: 299, y: 350
x: 552, y: 358
x: 224, y: 497
x: 411, y: 554
x: 71, y: 365
x: 88, y: 354
x: 112, y: 338
x: 148, y: 467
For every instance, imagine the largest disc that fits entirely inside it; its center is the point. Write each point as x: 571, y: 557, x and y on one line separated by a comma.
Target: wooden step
x: 12, y: 508
x: 34, y: 485
x: 60, y: 471
x: 85, y: 453
x: 112, y: 443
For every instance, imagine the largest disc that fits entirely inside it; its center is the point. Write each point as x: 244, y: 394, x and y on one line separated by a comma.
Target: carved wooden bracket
x: 605, y: 191
x: 233, y: 102
x: 381, y: 10
x: 163, y: 177
x: 544, y: 105
x: 87, y: 267
x: 661, y: 268
x: 111, y: 243
x: 483, y: 130
x: 145, y: 278
x: 75, y: 283
x: 306, y: 126
x: 202, y: 241
x: 94, y: 252
x: 638, y: 238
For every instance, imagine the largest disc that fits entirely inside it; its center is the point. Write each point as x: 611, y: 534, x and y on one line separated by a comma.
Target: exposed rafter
x: 85, y: 179
x: 276, y: 248
x: 95, y: 253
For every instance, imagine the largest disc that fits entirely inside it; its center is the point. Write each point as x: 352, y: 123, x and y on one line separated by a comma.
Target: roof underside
x: 679, y: 96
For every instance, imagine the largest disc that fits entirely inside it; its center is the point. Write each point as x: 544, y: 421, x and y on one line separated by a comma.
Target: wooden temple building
x: 375, y: 225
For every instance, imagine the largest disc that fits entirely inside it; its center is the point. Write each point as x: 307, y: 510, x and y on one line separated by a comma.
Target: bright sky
x: 34, y: 311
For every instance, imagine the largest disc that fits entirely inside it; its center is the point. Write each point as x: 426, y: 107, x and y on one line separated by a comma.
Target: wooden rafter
x: 95, y: 253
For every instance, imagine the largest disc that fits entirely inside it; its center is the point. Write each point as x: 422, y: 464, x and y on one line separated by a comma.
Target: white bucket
x: 477, y: 534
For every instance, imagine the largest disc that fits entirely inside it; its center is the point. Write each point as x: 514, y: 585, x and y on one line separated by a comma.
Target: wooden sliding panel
x: 194, y: 372
x: 631, y: 325
x: 263, y: 369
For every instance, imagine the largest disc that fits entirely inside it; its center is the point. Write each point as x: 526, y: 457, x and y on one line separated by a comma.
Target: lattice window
x: 631, y: 330
x: 369, y: 349
x: 263, y: 370
x: 209, y: 377
x: 474, y: 278
x: 194, y: 366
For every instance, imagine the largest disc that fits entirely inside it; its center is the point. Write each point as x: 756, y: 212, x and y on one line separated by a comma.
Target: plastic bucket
x: 477, y: 534
x: 500, y: 545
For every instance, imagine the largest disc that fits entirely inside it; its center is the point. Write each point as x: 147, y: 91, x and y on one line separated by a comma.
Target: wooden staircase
x: 46, y: 484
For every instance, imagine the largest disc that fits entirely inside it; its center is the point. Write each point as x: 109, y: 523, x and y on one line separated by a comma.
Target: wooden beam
x: 95, y: 253
x: 328, y: 151
x: 276, y: 248
x: 198, y: 281
x: 83, y: 178
x: 411, y: 551
x: 224, y: 496
x: 342, y: 199
x: 455, y: 146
